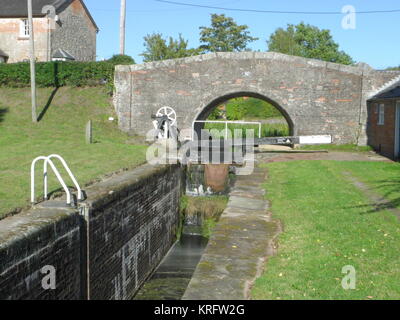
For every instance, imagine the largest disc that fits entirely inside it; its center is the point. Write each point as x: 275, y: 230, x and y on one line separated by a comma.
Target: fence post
x: 89, y: 132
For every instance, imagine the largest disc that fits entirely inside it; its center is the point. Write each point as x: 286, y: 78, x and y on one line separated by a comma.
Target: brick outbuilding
x: 384, y: 122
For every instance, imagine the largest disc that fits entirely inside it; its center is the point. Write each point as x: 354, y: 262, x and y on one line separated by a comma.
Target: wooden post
x: 89, y: 132
x: 122, y: 27
x: 32, y: 61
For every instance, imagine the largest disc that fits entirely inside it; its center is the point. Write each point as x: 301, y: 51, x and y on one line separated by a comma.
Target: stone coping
x: 107, y: 190
x: 360, y: 69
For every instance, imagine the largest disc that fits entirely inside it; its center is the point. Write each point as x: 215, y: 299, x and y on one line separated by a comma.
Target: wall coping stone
x: 273, y: 56
x: 21, y: 225
x: 105, y: 191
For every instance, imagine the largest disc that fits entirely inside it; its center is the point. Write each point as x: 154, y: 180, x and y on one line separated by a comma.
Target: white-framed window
x: 24, y: 28
x: 381, y: 114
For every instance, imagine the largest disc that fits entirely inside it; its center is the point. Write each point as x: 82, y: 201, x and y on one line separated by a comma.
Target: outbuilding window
x: 381, y: 114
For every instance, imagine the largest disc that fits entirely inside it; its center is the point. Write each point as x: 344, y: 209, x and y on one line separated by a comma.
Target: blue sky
x: 375, y: 40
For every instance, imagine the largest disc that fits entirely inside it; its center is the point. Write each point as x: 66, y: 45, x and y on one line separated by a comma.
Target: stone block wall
x: 75, y: 33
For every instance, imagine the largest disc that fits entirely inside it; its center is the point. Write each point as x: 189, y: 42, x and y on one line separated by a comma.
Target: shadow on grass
x: 50, y: 100
x: 378, y: 207
x: 381, y: 202
x: 3, y: 111
x: 48, y: 104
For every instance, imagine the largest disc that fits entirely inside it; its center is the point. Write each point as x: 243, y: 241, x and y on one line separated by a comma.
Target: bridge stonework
x: 316, y: 97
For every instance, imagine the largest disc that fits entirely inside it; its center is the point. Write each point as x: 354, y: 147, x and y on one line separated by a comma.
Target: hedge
x: 58, y: 74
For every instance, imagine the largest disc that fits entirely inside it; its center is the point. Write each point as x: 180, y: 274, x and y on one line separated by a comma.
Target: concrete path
x: 265, y: 156
x: 239, y: 246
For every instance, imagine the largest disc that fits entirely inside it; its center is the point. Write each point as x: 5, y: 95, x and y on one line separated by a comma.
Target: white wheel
x: 169, y: 112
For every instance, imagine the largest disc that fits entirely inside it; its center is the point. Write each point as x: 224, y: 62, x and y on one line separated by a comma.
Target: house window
x: 24, y: 28
x: 381, y: 114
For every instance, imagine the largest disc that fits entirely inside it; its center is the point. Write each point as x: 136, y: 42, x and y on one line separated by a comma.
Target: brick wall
x: 104, y: 250
x: 131, y: 229
x: 28, y: 242
x: 382, y: 137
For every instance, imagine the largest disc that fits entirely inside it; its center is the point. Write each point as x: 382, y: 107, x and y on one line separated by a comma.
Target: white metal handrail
x: 47, y: 160
x: 78, y: 188
x: 226, y: 122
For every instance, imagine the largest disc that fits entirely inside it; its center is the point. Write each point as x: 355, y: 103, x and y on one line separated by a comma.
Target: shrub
x: 58, y: 74
x: 121, y: 59
x: 215, y: 114
x: 239, y: 108
x: 235, y: 109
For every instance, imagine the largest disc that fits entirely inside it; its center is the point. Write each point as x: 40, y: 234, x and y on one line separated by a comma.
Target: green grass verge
x: 328, y: 224
x: 61, y: 131
x: 267, y: 130
x: 337, y: 147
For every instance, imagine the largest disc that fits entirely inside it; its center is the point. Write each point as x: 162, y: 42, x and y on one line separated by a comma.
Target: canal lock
x: 206, y: 196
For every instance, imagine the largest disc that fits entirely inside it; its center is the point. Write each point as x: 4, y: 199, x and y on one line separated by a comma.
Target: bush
x: 215, y: 114
x: 235, y: 109
x: 121, y: 59
x: 58, y: 74
x: 240, y: 108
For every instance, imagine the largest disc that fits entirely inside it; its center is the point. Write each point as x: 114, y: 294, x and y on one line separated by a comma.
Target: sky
x: 374, y: 40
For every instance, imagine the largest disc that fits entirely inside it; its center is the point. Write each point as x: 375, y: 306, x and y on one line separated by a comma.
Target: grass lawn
x: 328, y: 224
x: 60, y: 131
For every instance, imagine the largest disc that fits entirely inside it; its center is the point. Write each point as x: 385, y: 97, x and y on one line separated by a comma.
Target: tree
x: 224, y: 35
x: 393, y: 68
x: 307, y: 41
x: 157, y: 48
x: 121, y: 59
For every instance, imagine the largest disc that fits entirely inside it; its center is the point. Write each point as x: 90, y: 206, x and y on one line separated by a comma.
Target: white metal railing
x: 47, y: 160
x: 226, y: 125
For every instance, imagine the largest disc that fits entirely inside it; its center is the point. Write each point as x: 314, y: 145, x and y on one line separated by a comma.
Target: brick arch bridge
x: 316, y: 97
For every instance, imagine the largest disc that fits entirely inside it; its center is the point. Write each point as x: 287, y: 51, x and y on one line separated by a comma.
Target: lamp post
x: 122, y: 27
x: 32, y: 61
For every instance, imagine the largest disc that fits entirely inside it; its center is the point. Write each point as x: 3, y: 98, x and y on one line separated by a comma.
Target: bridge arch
x: 210, y: 106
